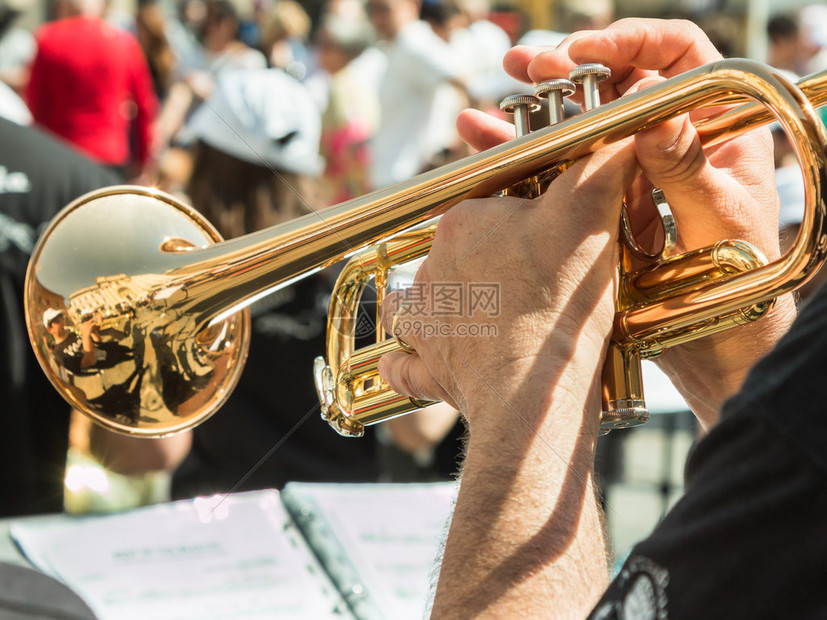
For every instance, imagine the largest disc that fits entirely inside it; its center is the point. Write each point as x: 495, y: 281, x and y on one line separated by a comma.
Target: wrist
x: 544, y: 418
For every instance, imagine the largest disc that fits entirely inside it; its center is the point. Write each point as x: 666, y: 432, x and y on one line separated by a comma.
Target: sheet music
x: 389, y: 533
x: 229, y: 557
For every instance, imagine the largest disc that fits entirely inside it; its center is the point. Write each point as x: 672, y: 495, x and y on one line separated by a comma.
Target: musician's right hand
x: 549, y: 334
x: 725, y: 192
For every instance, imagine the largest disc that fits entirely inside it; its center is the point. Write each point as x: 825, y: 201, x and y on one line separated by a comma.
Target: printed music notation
x: 317, y: 551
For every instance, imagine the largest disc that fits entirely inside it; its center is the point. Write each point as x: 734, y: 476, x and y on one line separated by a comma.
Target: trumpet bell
x: 105, y: 313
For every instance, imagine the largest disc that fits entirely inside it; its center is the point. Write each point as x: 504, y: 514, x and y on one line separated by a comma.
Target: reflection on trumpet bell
x: 114, y: 339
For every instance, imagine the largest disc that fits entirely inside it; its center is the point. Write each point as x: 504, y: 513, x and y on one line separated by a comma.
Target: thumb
x: 407, y: 375
x: 671, y: 155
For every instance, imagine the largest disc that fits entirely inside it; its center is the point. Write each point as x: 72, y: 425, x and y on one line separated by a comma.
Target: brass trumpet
x: 176, y: 333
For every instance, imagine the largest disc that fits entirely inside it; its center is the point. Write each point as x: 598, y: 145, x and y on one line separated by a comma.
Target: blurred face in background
x: 192, y: 14
x: 332, y: 57
x: 72, y: 8
x: 220, y: 25
x: 389, y: 16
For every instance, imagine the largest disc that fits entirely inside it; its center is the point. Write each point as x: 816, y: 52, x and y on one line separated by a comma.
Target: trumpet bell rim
x: 125, y: 354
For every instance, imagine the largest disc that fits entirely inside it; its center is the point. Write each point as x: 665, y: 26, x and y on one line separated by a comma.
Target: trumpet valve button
x: 597, y: 71
x: 520, y: 106
x: 555, y: 91
x: 590, y: 75
x: 514, y: 103
x: 547, y: 89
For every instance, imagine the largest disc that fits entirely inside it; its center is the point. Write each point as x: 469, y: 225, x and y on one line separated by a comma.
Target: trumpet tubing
x: 351, y: 391
x: 672, y: 300
x: 175, y: 336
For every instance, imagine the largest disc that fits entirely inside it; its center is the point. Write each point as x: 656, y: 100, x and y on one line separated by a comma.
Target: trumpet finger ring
x: 406, y: 348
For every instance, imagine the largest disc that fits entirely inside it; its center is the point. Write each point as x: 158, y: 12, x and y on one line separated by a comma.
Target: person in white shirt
x: 418, y: 63
x: 17, y: 46
x: 12, y: 107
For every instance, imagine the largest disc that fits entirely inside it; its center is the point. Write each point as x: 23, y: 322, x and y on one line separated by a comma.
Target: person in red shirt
x: 90, y: 85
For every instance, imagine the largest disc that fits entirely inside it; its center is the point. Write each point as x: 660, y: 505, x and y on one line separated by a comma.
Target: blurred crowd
x: 384, y: 79
x: 382, y: 85
x: 258, y: 111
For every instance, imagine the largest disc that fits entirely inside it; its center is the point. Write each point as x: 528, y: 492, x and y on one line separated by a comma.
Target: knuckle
x: 686, y: 166
x: 410, y: 379
x: 451, y: 223
x: 689, y: 26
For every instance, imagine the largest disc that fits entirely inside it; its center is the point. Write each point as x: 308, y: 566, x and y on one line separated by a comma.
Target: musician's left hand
x: 726, y: 192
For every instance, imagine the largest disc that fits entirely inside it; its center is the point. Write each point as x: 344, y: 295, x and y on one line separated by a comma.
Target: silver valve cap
x: 590, y: 75
x: 520, y: 106
x: 513, y: 103
x: 555, y: 91
x: 544, y: 89
x: 599, y: 72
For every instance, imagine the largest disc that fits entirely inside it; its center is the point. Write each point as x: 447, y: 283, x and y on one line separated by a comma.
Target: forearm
x: 89, y: 358
x: 134, y: 456
x: 526, y: 539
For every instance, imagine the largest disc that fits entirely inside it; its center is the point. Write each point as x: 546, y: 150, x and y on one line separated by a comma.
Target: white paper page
x: 392, y: 535
x: 205, y: 559
x: 661, y: 396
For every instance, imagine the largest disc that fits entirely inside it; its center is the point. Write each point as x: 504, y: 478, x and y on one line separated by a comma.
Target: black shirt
x: 747, y: 540
x: 270, y: 432
x: 38, y: 176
